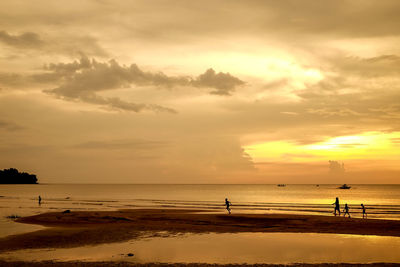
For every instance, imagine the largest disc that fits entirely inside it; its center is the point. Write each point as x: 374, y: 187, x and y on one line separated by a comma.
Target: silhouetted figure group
x: 228, y: 205
x: 346, y: 209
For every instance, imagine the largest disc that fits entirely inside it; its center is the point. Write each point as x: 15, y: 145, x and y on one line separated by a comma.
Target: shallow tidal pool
x: 248, y: 248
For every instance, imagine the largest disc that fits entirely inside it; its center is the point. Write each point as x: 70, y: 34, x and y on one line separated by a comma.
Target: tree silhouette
x: 13, y: 176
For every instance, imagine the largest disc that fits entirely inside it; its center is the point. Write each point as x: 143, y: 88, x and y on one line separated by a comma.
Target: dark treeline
x: 13, y: 176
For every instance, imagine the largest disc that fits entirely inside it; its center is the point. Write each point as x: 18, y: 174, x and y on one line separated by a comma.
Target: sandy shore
x: 90, y: 228
x: 129, y: 264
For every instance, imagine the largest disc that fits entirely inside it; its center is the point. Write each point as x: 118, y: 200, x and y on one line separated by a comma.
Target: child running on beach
x: 228, y: 205
x: 346, y: 210
x: 363, y: 211
x: 337, y: 206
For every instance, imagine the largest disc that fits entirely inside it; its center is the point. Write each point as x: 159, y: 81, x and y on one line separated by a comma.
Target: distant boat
x: 344, y: 186
x: 281, y: 185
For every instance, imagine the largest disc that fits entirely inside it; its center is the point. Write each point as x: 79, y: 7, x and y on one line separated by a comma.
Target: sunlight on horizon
x: 368, y: 145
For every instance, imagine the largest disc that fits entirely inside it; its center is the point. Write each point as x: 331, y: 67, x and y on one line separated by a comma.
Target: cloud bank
x: 56, y: 45
x: 25, y: 40
x: 84, y: 79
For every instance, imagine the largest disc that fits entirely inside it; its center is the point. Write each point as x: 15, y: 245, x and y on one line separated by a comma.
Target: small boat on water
x: 344, y: 186
x: 281, y: 185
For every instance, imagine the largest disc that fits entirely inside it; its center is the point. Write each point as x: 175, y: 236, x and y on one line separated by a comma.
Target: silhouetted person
x: 228, y: 205
x: 40, y: 200
x: 363, y: 211
x: 337, y: 206
x: 346, y: 210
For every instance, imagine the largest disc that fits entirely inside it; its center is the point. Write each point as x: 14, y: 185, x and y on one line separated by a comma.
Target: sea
x: 381, y: 202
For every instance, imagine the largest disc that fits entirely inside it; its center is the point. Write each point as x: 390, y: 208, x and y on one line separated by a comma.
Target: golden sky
x: 201, y: 91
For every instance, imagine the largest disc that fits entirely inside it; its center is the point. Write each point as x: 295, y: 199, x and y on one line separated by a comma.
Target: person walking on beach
x: 337, y: 206
x: 346, y: 210
x: 39, y: 200
x: 363, y: 211
x: 228, y: 205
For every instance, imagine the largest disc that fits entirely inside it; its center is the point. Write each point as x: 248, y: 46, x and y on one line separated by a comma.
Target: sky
x: 176, y: 91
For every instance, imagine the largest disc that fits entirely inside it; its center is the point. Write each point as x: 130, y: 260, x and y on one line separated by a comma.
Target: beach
x: 99, y: 225
x: 75, y: 229
x: 128, y: 264
x: 199, y: 133
x: 88, y: 228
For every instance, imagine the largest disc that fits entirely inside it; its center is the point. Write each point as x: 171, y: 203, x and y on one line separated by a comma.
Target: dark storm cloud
x: 69, y: 45
x: 85, y: 78
x: 69, y: 68
x: 224, y: 83
x: 24, y: 40
x: 91, y: 75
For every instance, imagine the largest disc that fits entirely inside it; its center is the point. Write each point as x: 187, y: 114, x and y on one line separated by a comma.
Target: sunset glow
x: 200, y: 92
x: 369, y: 145
x: 199, y: 133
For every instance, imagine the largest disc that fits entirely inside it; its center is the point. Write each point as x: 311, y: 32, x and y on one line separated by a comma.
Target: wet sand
x: 81, y: 228
x: 129, y: 264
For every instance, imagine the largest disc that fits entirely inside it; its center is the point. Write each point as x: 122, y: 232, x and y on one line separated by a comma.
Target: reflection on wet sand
x: 75, y: 229
x: 97, y: 223
x: 250, y: 248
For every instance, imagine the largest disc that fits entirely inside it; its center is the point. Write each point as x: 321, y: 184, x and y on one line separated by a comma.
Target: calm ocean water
x: 381, y: 201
